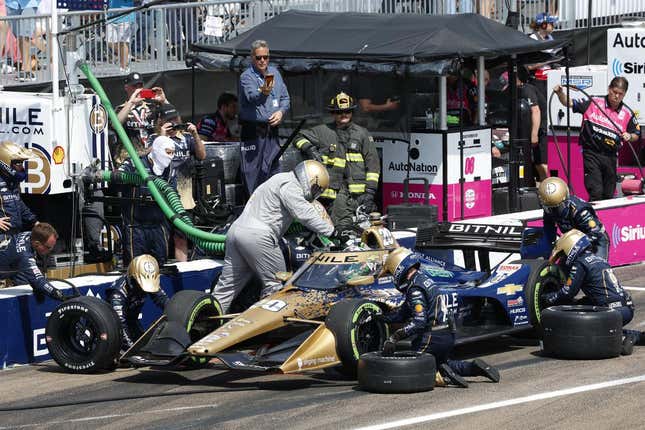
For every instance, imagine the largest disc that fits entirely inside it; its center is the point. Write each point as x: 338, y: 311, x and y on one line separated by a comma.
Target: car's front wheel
x: 356, y: 331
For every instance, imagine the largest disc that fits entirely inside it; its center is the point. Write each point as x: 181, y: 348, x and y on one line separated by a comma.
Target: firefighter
x: 347, y: 150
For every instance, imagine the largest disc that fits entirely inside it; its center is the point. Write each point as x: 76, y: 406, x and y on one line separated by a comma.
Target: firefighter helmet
x: 341, y: 102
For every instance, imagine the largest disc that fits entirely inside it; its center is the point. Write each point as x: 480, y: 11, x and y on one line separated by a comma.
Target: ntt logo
x: 627, y: 233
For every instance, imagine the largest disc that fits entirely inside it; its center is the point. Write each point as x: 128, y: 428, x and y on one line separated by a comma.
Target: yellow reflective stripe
x: 325, y: 159
x: 329, y: 193
x: 339, y: 162
x: 371, y: 176
x: 301, y: 142
x: 355, y: 157
x: 356, y: 188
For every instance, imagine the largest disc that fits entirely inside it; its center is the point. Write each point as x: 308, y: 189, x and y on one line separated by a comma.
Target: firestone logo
x: 626, y: 233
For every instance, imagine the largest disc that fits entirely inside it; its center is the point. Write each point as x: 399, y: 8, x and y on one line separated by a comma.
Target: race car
x: 325, y: 315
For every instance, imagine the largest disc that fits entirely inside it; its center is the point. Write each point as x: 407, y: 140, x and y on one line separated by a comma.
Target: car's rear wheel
x: 195, y: 311
x: 83, y: 335
x: 356, y: 331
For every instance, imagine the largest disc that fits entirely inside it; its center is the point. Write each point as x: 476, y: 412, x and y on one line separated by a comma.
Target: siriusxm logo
x: 626, y: 233
x: 618, y: 68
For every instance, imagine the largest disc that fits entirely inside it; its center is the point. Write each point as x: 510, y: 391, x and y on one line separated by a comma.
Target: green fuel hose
x: 162, y: 193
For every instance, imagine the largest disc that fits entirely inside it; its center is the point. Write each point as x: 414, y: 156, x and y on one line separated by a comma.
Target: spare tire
x: 193, y: 310
x: 582, y: 332
x: 404, y: 372
x: 83, y: 335
x: 356, y: 331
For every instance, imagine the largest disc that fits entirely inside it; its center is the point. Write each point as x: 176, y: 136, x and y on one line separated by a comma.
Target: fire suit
x: 352, y: 162
x: 18, y: 263
x: 595, y: 277
x: 428, y: 316
x: 600, y: 143
x: 12, y: 206
x: 127, y: 300
x: 145, y: 228
x: 580, y: 215
x: 253, y: 241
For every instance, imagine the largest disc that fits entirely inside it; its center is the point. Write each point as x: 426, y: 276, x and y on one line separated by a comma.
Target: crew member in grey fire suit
x: 15, y: 216
x: 127, y: 295
x: 428, y: 320
x: 252, y: 242
x: 18, y: 259
x: 569, y: 212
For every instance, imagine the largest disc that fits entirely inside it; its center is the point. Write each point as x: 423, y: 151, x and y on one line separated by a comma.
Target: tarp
x: 340, y: 40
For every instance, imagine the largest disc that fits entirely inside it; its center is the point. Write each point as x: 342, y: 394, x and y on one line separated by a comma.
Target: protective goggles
x: 558, y: 209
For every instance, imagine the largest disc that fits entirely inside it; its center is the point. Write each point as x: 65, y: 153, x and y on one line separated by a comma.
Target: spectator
x: 215, y: 128
x: 137, y: 115
x: 264, y: 100
x: 187, y: 145
x: 379, y: 102
x: 606, y: 123
x: 537, y: 124
x: 542, y: 27
x: 23, y: 30
x: 119, y: 33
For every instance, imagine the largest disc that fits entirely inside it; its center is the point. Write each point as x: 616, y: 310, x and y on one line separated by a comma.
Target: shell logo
x: 58, y: 155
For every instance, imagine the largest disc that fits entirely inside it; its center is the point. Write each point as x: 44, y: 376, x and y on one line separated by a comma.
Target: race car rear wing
x: 484, y: 238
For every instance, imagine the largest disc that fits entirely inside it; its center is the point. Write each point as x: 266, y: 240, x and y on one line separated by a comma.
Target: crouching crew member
x: 15, y: 216
x: 253, y: 241
x: 348, y: 152
x: 18, y: 259
x: 593, y: 275
x: 570, y: 212
x: 128, y: 294
x: 428, y: 318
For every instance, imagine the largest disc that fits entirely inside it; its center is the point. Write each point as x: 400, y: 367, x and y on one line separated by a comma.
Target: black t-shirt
x: 541, y: 99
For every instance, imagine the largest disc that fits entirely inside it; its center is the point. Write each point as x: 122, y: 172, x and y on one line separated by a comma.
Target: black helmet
x: 341, y: 102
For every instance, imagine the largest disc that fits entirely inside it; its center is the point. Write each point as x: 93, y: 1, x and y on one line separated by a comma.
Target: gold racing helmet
x: 570, y: 244
x: 313, y: 178
x: 553, y: 192
x: 145, y: 270
x: 10, y: 152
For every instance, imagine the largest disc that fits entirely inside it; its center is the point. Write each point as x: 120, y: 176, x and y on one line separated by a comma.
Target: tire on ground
x: 404, y: 372
x: 544, y: 278
x: 192, y: 310
x: 582, y: 332
x: 83, y: 335
x: 354, y: 335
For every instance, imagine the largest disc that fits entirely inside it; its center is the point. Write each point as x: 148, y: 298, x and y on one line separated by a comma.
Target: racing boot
x: 481, y: 368
x: 451, y: 377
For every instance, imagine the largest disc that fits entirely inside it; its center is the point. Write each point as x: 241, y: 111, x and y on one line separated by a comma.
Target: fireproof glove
x: 367, y: 201
x: 313, y: 154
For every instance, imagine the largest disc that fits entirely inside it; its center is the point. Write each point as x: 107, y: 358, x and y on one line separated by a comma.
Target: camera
x: 147, y: 93
x: 180, y: 127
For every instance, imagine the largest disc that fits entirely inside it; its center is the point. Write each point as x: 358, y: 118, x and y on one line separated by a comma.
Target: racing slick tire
x: 83, y: 335
x: 582, y: 332
x: 356, y: 331
x: 403, y: 372
x: 192, y: 310
x: 544, y: 278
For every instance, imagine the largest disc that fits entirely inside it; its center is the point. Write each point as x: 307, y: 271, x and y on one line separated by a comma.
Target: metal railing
x: 160, y: 37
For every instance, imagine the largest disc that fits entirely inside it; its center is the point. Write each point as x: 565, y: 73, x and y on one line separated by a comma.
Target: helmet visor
x: 555, y: 210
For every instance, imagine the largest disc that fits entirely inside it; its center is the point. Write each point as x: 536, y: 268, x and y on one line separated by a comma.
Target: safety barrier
x: 23, y: 319
x: 161, y: 35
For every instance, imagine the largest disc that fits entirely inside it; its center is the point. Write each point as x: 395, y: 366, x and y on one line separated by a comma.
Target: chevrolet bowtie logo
x: 510, y: 289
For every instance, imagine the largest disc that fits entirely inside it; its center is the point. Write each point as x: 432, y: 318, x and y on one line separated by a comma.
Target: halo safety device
x: 145, y: 270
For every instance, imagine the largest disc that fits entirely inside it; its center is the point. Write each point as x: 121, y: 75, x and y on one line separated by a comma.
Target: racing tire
x: 83, y: 335
x: 403, y: 372
x: 582, y: 332
x: 355, y: 332
x: 192, y: 310
x: 544, y: 278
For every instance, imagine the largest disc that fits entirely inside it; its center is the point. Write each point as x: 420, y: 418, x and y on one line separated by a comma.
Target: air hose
x: 162, y: 193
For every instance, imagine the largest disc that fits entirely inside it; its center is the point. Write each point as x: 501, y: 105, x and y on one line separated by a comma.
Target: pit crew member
x: 591, y: 274
x: 18, y: 259
x: 15, y: 216
x: 127, y: 295
x: 348, y: 152
x: 253, y: 241
x: 600, y: 137
x: 429, y: 319
x: 568, y: 212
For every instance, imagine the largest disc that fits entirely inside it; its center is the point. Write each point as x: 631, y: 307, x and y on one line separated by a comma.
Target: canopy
x: 341, y: 40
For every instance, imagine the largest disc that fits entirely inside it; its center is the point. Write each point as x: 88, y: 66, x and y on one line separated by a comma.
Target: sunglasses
x: 261, y: 57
